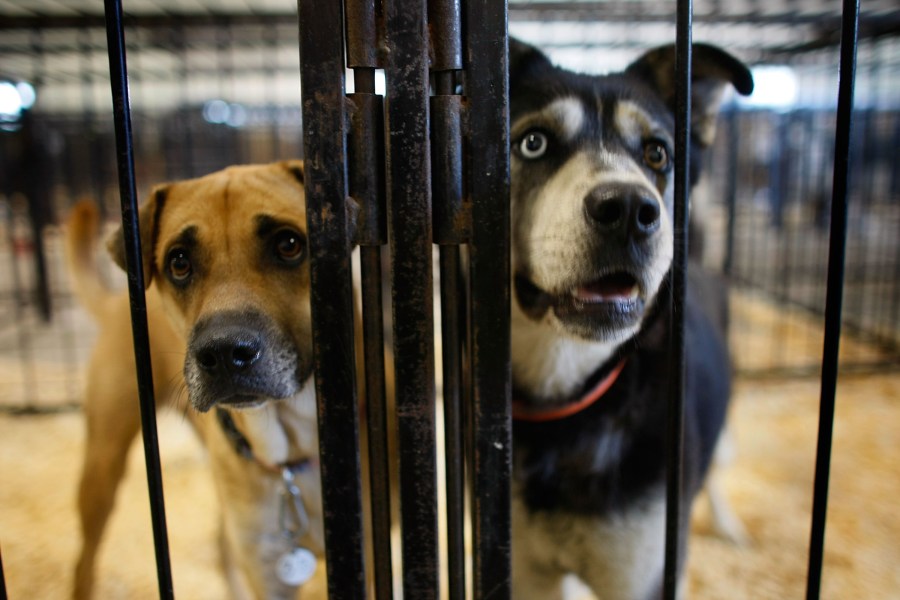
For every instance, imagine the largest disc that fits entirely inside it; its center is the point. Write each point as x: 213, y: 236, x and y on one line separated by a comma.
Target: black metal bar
x: 322, y: 88
x: 186, y: 167
x: 445, y: 25
x: 3, y: 595
x: 409, y: 167
x: 366, y: 185
x: 731, y: 174
x: 25, y: 345
x: 366, y: 170
x: 675, y: 416
x: 364, y: 24
x: 376, y: 411
x: 33, y: 184
x: 451, y: 215
x: 834, y: 294
x: 451, y: 228
x: 451, y: 358
x: 118, y: 74
x: 487, y: 88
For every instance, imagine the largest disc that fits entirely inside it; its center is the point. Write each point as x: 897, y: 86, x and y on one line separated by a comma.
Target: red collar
x: 536, y: 414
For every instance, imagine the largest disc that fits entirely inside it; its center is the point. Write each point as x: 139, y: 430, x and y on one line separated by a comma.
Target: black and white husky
x: 592, y: 238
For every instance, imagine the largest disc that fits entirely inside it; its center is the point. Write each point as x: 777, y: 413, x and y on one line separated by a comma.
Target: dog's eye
x: 290, y: 246
x: 180, y: 267
x: 533, y: 145
x: 656, y: 155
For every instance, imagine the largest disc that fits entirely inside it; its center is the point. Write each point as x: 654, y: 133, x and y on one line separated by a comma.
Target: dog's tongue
x: 612, y: 287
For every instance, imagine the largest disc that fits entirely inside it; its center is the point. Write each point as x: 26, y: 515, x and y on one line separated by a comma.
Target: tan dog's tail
x: 82, y: 232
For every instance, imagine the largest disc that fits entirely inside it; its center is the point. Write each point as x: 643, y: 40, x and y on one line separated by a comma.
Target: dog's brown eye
x: 180, y: 267
x: 533, y: 145
x: 656, y: 156
x: 290, y: 246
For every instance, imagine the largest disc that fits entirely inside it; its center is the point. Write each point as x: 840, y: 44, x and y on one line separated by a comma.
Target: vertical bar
x: 491, y: 460
x: 675, y: 415
x: 363, y: 18
x: 38, y: 192
x: 409, y: 171
x: 451, y: 227
x: 269, y: 48
x: 802, y: 193
x: 2, y: 579
x: 118, y: 73
x: 731, y: 189
x: 366, y: 173
x: 451, y: 358
x: 322, y: 87
x: 445, y: 24
x: 834, y: 294
x: 24, y: 344
x: 376, y: 410
x: 187, y: 165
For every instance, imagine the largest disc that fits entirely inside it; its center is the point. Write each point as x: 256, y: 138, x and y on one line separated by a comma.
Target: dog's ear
x: 295, y: 168
x: 148, y: 215
x: 524, y: 60
x: 712, y: 70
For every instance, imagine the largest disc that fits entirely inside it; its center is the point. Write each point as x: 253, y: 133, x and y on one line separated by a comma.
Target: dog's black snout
x: 231, y: 350
x: 624, y: 209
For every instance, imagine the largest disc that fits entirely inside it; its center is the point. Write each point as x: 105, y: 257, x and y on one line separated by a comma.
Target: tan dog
x: 225, y: 261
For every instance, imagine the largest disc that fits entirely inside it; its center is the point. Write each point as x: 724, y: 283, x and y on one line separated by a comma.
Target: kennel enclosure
x: 210, y: 88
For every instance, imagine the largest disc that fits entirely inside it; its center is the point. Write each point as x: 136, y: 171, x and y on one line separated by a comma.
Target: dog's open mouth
x: 608, y: 302
x: 617, y: 287
x: 243, y: 401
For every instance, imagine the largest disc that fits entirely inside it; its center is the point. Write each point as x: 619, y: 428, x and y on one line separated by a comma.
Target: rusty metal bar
x: 451, y: 228
x: 366, y: 161
x: 834, y: 295
x: 366, y: 174
x: 324, y: 136
x: 451, y: 215
x: 487, y: 89
x: 365, y: 31
x: 675, y: 513
x: 445, y: 26
x: 118, y: 73
x: 409, y: 171
x: 376, y: 413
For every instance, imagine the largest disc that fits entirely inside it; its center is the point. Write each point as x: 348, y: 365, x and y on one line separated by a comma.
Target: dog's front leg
x: 113, y: 421
x: 252, y: 535
x: 536, y: 573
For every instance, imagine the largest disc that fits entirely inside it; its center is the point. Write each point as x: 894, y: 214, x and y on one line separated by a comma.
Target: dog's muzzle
x: 230, y: 351
x: 239, y: 359
x: 608, y: 286
x: 626, y: 213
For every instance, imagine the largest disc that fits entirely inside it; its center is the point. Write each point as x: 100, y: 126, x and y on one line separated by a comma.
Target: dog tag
x: 296, y: 567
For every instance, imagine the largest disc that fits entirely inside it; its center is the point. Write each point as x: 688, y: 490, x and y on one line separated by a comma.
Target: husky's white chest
x: 620, y: 557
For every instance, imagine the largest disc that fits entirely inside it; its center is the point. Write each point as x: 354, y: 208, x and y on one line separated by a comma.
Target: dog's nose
x: 624, y: 209
x: 232, y: 352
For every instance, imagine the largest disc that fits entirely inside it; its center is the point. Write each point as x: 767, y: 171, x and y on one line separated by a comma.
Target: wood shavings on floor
x: 769, y: 483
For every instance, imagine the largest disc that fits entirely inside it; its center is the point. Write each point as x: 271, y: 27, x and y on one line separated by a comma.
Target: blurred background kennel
x: 217, y: 83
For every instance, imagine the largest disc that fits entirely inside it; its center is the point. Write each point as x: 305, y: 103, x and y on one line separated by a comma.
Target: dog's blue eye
x: 656, y: 155
x: 180, y: 267
x: 290, y: 246
x: 533, y: 145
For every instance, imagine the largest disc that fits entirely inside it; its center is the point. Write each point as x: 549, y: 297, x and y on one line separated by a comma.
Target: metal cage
x: 426, y: 165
